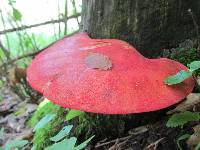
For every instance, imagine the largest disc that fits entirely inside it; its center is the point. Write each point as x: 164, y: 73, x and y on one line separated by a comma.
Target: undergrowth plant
x: 61, y: 140
x: 182, y: 75
x: 179, y: 120
x: 182, y: 118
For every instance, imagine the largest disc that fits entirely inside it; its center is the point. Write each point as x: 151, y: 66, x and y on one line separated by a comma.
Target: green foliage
x: 195, y: 65
x: 74, y: 113
x: 84, y: 144
x: 197, y: 147
x: 185, y: 55
x: 182, y: 75
x: 1, y: 98
x: 44, y: 121
x: 177, y: 78
x: 63, y: 133
x: 17, y: 16
x: 42, y: 136
x: 183, y: 137
x: 46, y: 107
x: 69, y: 144
x: 65, y: 144
x: 1, y: 83
x: 16, y: 144
x: 180, y: 119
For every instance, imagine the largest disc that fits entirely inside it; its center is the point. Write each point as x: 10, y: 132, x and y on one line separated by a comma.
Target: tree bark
x: 149, y: 25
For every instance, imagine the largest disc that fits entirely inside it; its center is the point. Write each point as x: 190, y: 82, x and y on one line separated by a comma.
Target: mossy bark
x: 149, y: 25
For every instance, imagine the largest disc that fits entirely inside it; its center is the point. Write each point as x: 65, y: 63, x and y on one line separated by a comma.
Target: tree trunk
x: 149, y: 25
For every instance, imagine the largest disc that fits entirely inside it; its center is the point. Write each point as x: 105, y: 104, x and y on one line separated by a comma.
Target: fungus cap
x: 105, y: 76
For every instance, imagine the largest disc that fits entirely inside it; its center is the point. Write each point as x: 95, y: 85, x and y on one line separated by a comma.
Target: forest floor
x: 152, y: 135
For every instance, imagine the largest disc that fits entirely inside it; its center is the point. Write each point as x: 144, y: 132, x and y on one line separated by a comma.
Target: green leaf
x: 10, y: 2
x: 63, y: 133
x: 16, y: 144
x: 74, y: 113
x: 67, y: 144
x: 17, y: 14
x: 194, y: 65
x: 84, y: 144
x: 44, y: 121
x: 178, y: 78
x: 183, y: 137
x: 197, y: 147
x: 182, y: 118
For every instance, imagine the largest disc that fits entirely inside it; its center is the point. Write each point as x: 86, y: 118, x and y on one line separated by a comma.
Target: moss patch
x: 185, y: 56
x: 41, y: 136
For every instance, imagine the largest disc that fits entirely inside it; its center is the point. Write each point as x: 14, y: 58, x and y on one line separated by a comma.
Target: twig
x: 65, y: 17
x: 33, y: 53
x: 5, y: 51
x: 39, y: 24
x: 59, y: 17
x: 118, y: 145
x: 17, y: 32
x: 4, y: 27
x: 74, y: 7
x: 113, y: 141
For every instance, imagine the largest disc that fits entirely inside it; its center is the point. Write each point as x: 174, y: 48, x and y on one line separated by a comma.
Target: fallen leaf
x: 154, y: 145
x: 98, y: 61
x: 16, y: 123
x: 138, y: 130
x: 198, y: 80
x: 191, y: 100
x: 6, y: 107
x: 194, y: 138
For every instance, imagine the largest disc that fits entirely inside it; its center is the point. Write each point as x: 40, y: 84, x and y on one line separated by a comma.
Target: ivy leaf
x: 63, y: 133
x: 74, y: 113
x: 44, y: 121
x: 183, y: 137
x: 182, y: 118
x: 194, y: 65
x: 84, y: 144
x: 17, y: 14
x: 16, y: 144
x: 67, y: 144
x: 178, y: 78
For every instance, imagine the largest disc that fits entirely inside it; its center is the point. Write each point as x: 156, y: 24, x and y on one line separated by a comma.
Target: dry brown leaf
x: 198, y: 80
x: 6, y: 106
x: 154, y: 145
x: 191, y: 101
x: 98, y: 61
x: 138, y: 130
x: 194, y: 138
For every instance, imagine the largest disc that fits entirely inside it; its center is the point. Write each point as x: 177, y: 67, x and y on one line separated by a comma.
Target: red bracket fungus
x: 105, y: 76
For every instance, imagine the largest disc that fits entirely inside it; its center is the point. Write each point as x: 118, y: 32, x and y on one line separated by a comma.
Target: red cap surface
x: 105, y: 76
